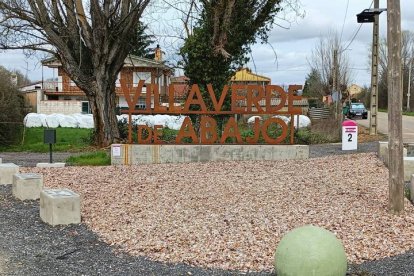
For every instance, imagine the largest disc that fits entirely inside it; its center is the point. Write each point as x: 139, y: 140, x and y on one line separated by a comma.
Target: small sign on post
x: 349, y: 135
x: 50, y: 138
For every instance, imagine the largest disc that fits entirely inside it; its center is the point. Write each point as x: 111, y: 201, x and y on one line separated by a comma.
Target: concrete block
x: 411, y: 187
x: 59, y: 207
x: 27, y: 186
x: 410, y: 150
x: 383, y: 153
x: 408, y: 168
x: 50, y: 165
x: 7, y: 170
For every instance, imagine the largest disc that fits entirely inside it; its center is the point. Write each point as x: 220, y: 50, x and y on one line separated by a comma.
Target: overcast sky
x: 293, y: 45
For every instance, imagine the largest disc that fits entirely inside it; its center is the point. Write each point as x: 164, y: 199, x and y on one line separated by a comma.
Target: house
x: 61, y: 95
x: 245, y: 76
x: 181, y: 87
x: 353, y: 90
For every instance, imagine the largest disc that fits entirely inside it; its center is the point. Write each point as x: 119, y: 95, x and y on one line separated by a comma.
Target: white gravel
x: 232, y: 215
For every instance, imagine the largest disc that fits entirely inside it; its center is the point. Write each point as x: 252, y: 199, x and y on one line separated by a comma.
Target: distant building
x: 63, y: 96
x: 354, y: 90
x: 181, y: 87
x: 245, y: 76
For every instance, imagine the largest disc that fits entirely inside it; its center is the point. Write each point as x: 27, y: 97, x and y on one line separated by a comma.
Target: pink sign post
x: 349, y: 135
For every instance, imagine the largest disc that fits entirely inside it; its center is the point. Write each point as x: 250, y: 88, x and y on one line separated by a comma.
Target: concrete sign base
x: 131, y: 154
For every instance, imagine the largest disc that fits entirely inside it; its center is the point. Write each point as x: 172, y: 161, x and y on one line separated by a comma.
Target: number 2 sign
x: 349, y: 135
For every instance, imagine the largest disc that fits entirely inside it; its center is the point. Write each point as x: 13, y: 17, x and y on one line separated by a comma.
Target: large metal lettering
x: 245, y: 99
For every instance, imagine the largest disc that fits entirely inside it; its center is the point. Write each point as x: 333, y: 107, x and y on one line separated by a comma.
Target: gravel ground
x: 29, y: 247
x: 30, y: 159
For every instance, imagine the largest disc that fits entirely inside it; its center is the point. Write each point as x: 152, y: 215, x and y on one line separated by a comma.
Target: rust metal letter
x: 217, y: 106
x: 157, y: 133
x: 282, y: 94
x: 198, y: 101
x: 171, y: 102
x: 292, y: 97
x: 231, y: 130
x: 256, y: 129
x: 190, y: 132
x: 137, y: 92
x: 254, y: 99
x: 208, y: 130
x: 236, y: 97
x: 141, y: 128
x: 155, y: 90
x: 266, y: 125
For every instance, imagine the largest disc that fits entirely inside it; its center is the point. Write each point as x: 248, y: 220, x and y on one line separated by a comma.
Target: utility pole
x: 335, y: 80
x: 409, y: 84
x: 395, y: 142
x: 373, y: 119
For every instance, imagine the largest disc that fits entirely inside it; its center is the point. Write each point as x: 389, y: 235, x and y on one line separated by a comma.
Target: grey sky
x: 293, y: 45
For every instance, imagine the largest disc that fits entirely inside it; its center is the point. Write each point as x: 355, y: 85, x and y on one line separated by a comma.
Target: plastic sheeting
x: 86, y: 120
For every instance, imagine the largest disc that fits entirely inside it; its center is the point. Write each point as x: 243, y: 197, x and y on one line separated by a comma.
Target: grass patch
x: 67, y: 139
x: 406, y: 113
x: 98, y: 158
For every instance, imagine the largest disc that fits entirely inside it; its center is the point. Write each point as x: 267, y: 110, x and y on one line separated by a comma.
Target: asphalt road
x: 407, y: 124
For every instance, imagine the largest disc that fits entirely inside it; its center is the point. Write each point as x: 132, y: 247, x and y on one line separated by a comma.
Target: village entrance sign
x: 245, y: 99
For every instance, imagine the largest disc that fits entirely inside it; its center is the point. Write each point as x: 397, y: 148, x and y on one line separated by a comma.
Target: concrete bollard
x: 383, y: 153
x: 7, y: 170
x: 27, y: 186
x: 60, y: 207
x: 408, y: 168
x: 410, y: 150
x: 411, y: 188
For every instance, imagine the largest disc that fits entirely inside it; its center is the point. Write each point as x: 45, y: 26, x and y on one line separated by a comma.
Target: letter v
x: 137, y: 92
x: 217, y: 106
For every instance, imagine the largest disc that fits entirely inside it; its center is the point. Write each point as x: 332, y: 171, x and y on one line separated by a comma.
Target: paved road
x: 407, y: 123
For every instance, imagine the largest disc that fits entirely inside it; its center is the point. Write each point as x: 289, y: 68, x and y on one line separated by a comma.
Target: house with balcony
x: 61, y: 95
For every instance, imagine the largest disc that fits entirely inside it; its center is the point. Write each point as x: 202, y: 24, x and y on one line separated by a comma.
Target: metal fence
x: 319, y: 113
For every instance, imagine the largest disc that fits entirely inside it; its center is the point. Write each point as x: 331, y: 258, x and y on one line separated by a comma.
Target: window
x: 137, y: 76
x: 85, y: 108
x: 72, y: 83
x: 118, y: 80
x: 141, y: 104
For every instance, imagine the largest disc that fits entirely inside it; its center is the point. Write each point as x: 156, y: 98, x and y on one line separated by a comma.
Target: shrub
x: 12, y: 110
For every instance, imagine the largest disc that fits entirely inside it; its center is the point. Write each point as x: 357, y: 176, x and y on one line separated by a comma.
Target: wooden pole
x: 334, y: 79
x: 395, y: 143
x: 373, y: 120
x: 409, y: 84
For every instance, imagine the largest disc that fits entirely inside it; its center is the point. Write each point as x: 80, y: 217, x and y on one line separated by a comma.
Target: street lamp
x: 368, y: 16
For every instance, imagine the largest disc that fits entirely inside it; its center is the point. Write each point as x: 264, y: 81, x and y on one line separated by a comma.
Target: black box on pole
x: 49, y: 136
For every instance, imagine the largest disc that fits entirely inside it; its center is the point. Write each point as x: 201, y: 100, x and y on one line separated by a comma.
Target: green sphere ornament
x: 310, y: 251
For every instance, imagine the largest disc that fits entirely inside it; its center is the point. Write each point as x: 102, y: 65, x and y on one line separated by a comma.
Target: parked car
x: 357, y: 110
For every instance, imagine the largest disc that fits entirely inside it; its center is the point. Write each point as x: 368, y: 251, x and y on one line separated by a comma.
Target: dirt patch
x: 364, y: 136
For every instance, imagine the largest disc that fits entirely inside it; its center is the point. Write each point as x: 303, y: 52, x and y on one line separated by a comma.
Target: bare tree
x: 322, y: 61
x: 407, y: 56
x: 90, y: 39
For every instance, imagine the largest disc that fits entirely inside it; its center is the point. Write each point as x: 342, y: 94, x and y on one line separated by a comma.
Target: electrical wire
x: 356, y: 33
x: 343, y: 24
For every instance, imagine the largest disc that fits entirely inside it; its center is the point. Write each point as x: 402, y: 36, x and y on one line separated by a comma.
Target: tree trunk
x: 102, y: 101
